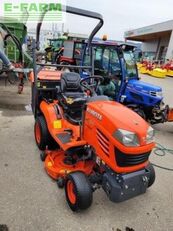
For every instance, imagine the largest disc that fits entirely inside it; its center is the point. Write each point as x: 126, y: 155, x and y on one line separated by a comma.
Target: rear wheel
x: 78, y: 191
x: 33, y: 98
x: 152, y: 177
x: 42, y: 135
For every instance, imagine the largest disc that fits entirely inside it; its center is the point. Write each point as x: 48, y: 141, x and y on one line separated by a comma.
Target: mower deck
x: 56, y: 167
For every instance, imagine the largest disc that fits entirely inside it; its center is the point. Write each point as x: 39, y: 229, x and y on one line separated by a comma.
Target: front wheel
x: 78, y: 191
x: 152, y: 176
x: 139, y: 111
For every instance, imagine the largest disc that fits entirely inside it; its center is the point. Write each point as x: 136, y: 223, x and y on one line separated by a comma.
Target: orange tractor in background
x: 88, y: 141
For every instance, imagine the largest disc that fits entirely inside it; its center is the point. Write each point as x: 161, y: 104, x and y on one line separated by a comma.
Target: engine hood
x: 102, y: 120
x: 112, y: 116
x: 143, y: 86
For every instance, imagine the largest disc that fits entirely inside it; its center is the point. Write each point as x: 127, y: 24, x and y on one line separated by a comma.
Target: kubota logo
x: 94, y: 113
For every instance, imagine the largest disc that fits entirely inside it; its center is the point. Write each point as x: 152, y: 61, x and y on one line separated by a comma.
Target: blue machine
x: 117, y: 62
x: 142, y: 93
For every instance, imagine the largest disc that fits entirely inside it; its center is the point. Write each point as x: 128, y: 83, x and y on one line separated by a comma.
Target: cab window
x: 115, y: 68
x: 130, y: 64
x: 106, y: 59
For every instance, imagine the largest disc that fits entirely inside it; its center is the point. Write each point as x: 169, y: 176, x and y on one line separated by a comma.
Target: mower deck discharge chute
x: 88, y: 141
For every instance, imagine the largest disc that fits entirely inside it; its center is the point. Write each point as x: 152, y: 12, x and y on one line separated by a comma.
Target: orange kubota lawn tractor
x: 88, y: 141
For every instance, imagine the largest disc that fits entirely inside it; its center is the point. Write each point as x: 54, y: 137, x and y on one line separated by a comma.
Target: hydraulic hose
x: 16, y: 41
x: 161, y: 151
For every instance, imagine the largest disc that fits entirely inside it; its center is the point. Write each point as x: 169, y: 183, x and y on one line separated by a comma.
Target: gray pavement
x: 31, y: 201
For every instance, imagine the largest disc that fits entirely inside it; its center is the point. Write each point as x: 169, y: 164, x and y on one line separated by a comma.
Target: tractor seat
x: 73, y: 97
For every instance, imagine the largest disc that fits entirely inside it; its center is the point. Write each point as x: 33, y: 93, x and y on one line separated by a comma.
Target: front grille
x: 127, y: 160
x: 153, y: 93
x: 136, y: 96
x: 103, y: 142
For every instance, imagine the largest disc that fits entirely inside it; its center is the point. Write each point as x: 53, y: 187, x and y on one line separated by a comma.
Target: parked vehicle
x: 88, y: 141
x: 116, y: 61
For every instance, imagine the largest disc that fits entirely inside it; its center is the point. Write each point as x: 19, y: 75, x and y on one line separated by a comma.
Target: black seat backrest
x: 70, y: 82
x: 73, y: 97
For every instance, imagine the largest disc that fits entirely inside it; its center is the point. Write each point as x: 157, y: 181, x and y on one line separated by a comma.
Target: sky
x: 119, y: 15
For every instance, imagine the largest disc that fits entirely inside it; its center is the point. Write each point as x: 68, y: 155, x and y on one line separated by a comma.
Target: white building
x: 157, y: 40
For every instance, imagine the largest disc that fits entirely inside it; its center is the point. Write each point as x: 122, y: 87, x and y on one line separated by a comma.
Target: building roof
x: 150, y: 32
x: 77, y: 35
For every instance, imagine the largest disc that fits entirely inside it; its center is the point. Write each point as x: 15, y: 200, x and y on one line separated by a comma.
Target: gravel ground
x: 31, y: 201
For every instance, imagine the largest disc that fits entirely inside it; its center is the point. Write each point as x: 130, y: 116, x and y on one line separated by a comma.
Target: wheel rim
x: 37, y: 133
x: 70, y: 192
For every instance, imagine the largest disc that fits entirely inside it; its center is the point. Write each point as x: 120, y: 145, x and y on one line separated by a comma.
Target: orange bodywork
x: 55, y: 166
x: 101, y: 120
x: 49, y: 112
x: 114, y: 116
x: 66, y: 59
x: 46, y: 75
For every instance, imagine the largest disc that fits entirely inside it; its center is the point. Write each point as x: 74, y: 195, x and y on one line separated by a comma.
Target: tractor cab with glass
x: 116, y: 63
x: 54, y: 48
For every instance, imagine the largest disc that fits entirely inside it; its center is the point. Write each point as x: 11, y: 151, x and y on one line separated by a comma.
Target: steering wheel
x: 90, y: 85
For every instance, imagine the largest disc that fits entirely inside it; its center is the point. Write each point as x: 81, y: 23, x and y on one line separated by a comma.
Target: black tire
x: 141, y: 113
x: 81, y: 189
x: 56, y: 57
x: 60, y: 182
x: 45, y: 138
x: 33, y: 98
x: 152, y: 177
x: 43, y: 156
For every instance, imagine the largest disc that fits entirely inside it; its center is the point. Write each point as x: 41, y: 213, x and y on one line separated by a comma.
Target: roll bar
x: 75, y: 11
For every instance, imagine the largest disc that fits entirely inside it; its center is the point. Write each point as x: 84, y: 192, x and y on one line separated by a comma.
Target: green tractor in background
x: 54, y: 48
x: 16, y: 36
x: 19, y: 32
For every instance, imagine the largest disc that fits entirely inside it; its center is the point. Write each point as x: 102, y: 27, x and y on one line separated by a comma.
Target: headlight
x: 150, y: 135
x: 127, y: 138
x: 159, y: 94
